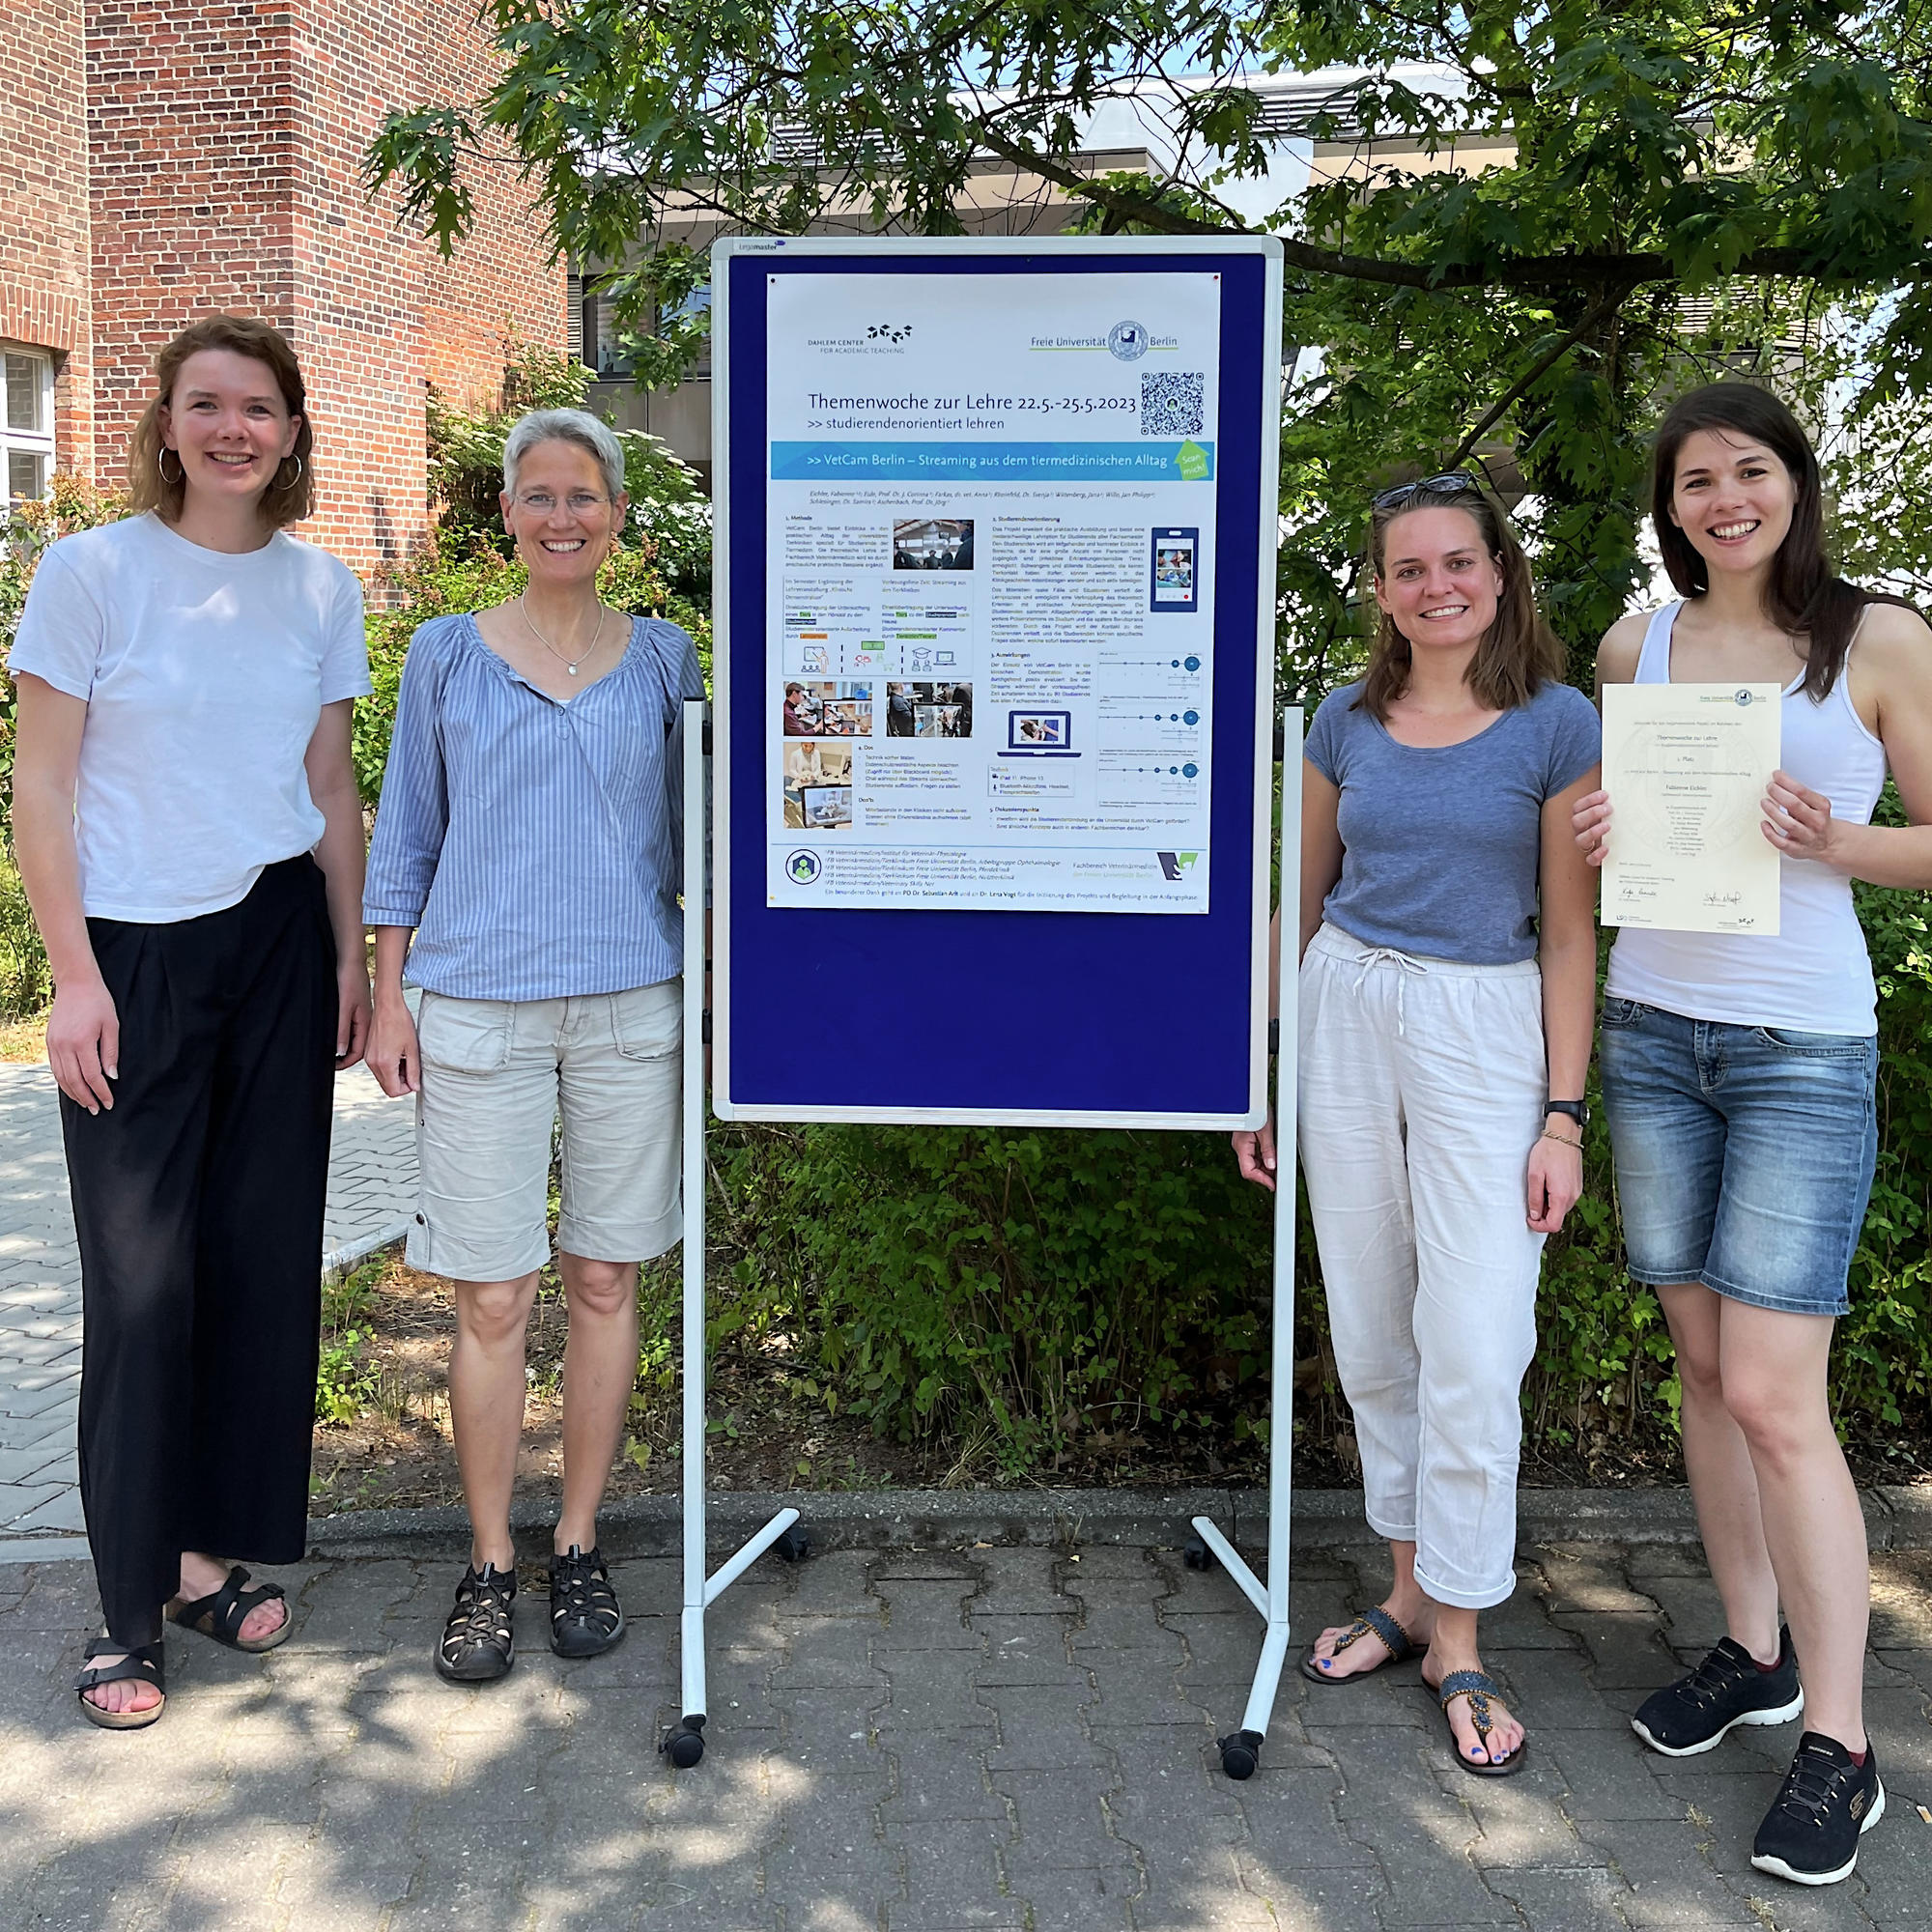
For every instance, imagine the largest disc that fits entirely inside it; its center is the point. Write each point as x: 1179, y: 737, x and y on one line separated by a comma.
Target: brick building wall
x: 193, y: 155
x: 501, y: 285
x: 184, y: 156
x: 359, y: 324
x: 44, y: 241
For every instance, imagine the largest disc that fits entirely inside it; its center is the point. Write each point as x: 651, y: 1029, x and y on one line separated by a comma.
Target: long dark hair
x: 1518, y: 653
x: 1803, y: 596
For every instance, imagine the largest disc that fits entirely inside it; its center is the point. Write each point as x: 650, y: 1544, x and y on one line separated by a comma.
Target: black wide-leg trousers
x: 198, y: 1202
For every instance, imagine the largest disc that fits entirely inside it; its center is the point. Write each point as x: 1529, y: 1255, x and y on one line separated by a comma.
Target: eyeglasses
x: 579, y: 503
x: 1450, y: 483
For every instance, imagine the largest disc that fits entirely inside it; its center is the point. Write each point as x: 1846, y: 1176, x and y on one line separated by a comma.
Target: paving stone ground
x: 1006, y: 1740
x: 371, y: 1193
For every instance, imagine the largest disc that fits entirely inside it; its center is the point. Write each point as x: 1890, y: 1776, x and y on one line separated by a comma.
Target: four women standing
x: 189, y: 831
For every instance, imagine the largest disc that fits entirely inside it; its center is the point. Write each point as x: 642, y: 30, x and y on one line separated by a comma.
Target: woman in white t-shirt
x: 187, y: 826
x: 1740, y: 1077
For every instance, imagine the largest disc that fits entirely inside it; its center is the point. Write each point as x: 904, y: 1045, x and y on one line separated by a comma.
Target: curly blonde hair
x: 289, y: 498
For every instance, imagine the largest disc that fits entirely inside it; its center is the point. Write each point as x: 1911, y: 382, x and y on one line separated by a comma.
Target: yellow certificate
x: 1686, y: 766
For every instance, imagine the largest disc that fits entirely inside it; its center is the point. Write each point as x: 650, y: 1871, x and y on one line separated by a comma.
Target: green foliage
x: 1036, y: 1286
x: 345, y: 1384
x: 1527, y: 309
x: 1883, y: 1351
x: 26, y: 981
x: 26, y: 529
x: 669, y: 518
x: 1018, y: 1297
x: 1662, y: 192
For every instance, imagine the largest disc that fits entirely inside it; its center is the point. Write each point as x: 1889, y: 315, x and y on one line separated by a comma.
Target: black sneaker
x: 479, y: 1641
x: 1811, y: 1835
x: 1693, y: 1714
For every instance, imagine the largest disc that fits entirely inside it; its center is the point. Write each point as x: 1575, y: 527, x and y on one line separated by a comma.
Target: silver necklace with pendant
x: 569, y: 664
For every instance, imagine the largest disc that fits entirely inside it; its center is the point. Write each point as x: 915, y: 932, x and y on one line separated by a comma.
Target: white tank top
x: 1815, y: 975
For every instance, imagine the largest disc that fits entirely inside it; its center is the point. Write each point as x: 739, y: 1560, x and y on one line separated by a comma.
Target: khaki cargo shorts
x: 496, y: 1077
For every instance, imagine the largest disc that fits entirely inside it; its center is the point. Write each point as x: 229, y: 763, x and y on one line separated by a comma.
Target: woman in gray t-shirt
x: 1448, y: 984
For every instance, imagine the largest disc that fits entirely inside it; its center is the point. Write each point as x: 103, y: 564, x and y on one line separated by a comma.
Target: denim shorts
x: 1744, y: 1153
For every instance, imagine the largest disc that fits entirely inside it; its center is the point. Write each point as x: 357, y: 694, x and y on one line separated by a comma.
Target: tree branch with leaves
x: 1501, y: 271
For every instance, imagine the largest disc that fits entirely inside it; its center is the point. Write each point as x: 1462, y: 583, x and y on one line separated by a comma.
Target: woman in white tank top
x: 1740, y: 1079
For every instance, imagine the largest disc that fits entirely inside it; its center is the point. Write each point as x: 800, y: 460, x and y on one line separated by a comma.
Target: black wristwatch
x: 1577, y: 1111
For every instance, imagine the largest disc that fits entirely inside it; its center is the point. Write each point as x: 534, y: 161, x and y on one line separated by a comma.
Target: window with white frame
x: 26, y: 421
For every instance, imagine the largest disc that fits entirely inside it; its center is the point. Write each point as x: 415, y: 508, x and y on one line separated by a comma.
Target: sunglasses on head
x: 1450, y: 483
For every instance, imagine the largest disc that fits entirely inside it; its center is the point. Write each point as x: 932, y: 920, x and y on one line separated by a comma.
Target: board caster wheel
x: 1196, y: 1554
x: 684, y: 1743
x: 795, y: 1544
x: 1241, y: 1754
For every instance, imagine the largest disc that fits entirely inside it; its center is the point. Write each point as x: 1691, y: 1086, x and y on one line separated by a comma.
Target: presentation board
x: 996, y: 523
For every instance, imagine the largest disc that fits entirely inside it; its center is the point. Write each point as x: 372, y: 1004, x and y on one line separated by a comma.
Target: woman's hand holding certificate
x: 1690, y: 767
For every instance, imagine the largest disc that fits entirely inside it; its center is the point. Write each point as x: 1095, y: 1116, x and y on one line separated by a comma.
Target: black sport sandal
x: 1811, y: 1835
x: 479, y: 1641
x: 1727, y: 1689
x: 584, y: 1619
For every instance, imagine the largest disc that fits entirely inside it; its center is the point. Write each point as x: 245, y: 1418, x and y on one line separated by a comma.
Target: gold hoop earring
x: 162, y: 466
x: 292, y: 481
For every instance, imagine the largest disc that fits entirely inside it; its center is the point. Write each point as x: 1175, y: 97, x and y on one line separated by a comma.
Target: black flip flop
x: 142, y: 1663
x: 1374, y: 1622
x: 221, y: 1614
x: 1479, y: 1686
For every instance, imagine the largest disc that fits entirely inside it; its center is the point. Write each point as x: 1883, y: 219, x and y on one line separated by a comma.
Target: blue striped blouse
x: 535, y: 845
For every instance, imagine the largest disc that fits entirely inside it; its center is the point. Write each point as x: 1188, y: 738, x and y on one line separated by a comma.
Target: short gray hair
x: 578, y: 426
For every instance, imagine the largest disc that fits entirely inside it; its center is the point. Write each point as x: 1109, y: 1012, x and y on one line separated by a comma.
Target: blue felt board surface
x: 949, y: 1014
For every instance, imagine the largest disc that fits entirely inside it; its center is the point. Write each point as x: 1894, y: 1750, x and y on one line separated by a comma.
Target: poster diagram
x: 990, y: 552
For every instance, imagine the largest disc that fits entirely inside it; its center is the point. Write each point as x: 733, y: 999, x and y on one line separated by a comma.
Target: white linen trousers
x: 1422, y: 1091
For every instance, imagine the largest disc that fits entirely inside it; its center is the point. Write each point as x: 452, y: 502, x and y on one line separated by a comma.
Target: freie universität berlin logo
x: 1127, y: 341
x: 803, y: 868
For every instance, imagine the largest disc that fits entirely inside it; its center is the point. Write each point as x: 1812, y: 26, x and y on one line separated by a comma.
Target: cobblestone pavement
x: 371, y: 1193
x: 1010, y: 1740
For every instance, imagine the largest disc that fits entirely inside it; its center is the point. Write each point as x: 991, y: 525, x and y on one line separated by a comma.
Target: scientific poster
x: 991, y: 564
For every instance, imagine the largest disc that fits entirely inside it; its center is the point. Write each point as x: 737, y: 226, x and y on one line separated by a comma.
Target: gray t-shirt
x: 1441, y: 844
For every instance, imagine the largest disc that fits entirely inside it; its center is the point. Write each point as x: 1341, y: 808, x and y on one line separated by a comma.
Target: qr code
x: 1171, y: 405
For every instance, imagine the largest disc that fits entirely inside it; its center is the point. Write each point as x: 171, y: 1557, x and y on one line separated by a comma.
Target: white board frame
x: 886, y: 248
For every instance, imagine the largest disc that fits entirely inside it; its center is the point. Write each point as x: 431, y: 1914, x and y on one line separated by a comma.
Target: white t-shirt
x: 205, y: 674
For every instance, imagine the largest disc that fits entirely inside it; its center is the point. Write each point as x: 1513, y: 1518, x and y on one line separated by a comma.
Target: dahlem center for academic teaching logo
x: 1127, y: 341
x: 803, y: 868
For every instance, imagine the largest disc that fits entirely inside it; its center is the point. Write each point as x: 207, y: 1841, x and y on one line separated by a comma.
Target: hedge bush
x: 1030, y: 1296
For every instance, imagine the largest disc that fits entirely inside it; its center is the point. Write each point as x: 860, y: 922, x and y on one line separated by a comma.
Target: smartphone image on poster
x: 1174, y: 571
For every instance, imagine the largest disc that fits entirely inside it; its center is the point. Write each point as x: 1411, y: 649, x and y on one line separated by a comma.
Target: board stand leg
x: 684, y: 1743
x: 1241, y: 1749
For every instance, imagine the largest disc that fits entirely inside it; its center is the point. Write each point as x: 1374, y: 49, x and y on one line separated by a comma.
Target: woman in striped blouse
x: 530, y: 835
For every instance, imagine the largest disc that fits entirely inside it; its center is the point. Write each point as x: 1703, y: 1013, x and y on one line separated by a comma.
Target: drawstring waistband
x: 1377, y: 956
